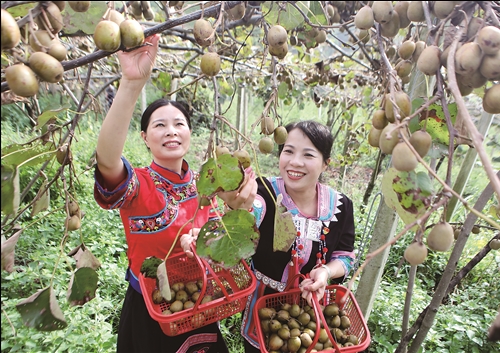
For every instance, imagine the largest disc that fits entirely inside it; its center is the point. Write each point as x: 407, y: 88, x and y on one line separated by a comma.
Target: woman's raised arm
x: 136, y: 69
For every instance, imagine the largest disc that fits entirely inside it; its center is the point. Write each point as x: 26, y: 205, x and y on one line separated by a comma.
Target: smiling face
x: 300, y: 164
x: 168, y: 137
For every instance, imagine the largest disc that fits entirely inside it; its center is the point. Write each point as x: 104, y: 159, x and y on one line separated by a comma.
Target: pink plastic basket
x: 231, y: 287
x: 333, y: 294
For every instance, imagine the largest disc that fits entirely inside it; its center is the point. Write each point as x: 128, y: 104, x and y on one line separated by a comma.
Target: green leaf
x: 41, y: 311
x: 21, y: 10
x: 407, y: 193
x: 10, y: 189
x: 284, y: 228
x: 42, y: 199
x: 27, y: 155
x: 82, y: 286
x: 289, y: 17
x: 282, y: 90
x: 163, y: 283
x: 83, y: 21
x: 164, y: 82
x: 47, y: 115
x: 8, y: 248
x: 228, y: 241
x: 223, y: 174
x: 84, y: 257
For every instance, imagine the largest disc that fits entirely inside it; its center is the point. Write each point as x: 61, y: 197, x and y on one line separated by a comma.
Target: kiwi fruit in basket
x: 292, y: 328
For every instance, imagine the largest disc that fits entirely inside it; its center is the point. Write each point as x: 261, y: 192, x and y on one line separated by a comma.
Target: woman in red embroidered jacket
x: 323, y: 218
x: 154, y: 201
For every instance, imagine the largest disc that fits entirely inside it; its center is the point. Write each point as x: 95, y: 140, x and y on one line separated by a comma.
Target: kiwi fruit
x: 277, y: 36
x: 266, y: 145
x: 443, y: 9
x: 345, y: 322
x: 176, y: 306
x: 107, y: 36
x: 440, y: 237
x: 415, y: 11
x: 267, y: 125
x: 21, y: 80
x: 156, y: 296
x: 419, y: 48
x: 491, y: 100
x: 488, y: 39
x: 266, y: 313
x: 53, y: 15
x: 57, y: 50
x: 401, y: 7
x: 278, y: 51
x: 237, y: 12
x: 73, y: 223
x: 11, y: 35
x: 364, y: 18
x: 280, y: 135
x: 403, y: 68
x: 403, y: 158
x: 244, y: 157
x: 490, y: 67
x: 391, y: 28
x: 191, y: 287
x: 116, y: 17
x: 210, y: 64
x: 220, y: 150
x: 320, y: 37
x: 46, y: 67
x: 429, y: 60
x: 415, y: 253
x: 406, y: 49
x: 379, y: 120
x: 382, y: 11
x: 131, y: 33
x: 494, y: 244
x: 202, y: 32
x: 421, y: 141
x: 387, y: 145
x: 468, y: 58
x: 79, y: 6
x: 40, y: 40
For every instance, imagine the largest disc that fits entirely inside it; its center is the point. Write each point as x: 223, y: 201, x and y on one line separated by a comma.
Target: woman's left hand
x: 315, y: 283
x: 188, y: 239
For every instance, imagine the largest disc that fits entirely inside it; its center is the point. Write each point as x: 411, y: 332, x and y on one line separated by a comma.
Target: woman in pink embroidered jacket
x: 323, y: 219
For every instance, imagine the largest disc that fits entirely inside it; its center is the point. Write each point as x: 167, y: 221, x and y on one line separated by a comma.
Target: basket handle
x: 204, y: 265
x: 319, y: 315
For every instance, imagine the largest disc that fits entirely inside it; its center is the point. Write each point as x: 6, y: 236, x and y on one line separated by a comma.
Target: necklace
x: 298, y: 247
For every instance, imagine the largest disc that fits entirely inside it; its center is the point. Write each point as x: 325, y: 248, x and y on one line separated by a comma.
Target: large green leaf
x: 434, y: 120
x: 10, y: 189
x: 288, y: 16
x: 48, y: 115
x: 230, y: 240
x: 223, y: 174
x: 41, y: 311
x: 83, y: 21
x: 27, y: 154
x: 284, y: 228
x: 408, y: 193
x: 82, y: 286
x: 8, y: 249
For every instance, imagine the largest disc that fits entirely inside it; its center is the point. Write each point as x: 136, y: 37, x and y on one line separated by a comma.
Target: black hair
x: 319, y: 134
x: 146, y: 115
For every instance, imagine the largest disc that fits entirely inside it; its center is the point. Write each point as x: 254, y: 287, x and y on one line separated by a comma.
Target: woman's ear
x: 327, y: 163
x: 144, y: 138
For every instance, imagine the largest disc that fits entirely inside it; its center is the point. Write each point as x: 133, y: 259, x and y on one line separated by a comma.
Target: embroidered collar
x: 329, y: 201
x: 171, y: 175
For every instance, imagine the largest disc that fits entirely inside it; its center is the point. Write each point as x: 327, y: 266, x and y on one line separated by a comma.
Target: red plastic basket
x: 333, y: 294
x: 231, y: 286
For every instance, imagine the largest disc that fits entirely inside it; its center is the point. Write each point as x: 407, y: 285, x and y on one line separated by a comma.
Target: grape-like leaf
x: 84, y: 257
x: 77, y: 22
x: 408, y: 193
x: 10, y: 189
x: 284, y: 228
x: 82, y: 286
x: 8, y: 247
x: 41, y: 311
x: 27, y: 154
x: 223, y: 174
x: 42, y: 199
x: 163, y: 284
x: 217, y: 246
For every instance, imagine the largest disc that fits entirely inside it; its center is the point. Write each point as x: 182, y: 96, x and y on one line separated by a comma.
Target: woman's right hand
x: 137, y: 65
x: 188, y: 239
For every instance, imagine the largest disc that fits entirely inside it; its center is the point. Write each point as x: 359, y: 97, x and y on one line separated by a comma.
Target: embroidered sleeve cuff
x: 111, y: 199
